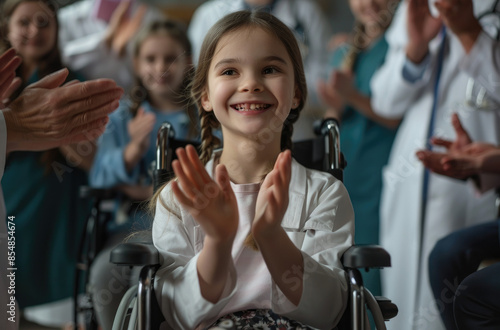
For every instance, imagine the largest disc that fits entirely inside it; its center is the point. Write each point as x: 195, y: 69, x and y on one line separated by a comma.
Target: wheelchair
x: 139, y: 307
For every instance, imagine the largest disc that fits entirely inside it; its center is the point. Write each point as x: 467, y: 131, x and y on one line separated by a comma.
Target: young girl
x: 163, y: 68
x: 43, y: 186
x: 366, y: 138
x: 246, y: 233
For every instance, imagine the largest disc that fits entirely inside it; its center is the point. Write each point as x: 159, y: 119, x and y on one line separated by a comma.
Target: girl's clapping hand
x: 211, y: 203
x: 272, y: 201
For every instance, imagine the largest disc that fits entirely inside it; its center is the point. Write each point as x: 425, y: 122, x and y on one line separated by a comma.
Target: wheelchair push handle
x: 161, y: 170
x: 165, y: 131
x: 329, y: 128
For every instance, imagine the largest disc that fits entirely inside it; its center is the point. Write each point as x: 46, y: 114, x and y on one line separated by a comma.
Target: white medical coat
x: 452, y: 204
x: 319, y: 220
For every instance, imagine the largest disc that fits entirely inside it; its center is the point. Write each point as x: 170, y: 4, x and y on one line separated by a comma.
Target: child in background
x: 246, y: 232
x: 366, y: 138
x: 163, y: 69
x: 43, y: 186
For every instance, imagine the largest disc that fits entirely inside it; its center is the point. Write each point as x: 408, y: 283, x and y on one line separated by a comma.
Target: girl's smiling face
x: 161, y: 65
x: 32, y: 30
x: 251, y: 84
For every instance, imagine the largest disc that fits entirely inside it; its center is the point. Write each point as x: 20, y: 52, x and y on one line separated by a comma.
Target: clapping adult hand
x: 435, y: 160
x: 47, y: 115
x: 476, y: 158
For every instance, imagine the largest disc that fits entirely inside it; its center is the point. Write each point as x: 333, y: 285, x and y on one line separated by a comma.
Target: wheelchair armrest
x: 98, y: 193
x: 387, y: 307
x: 135, y: 254
x: 366, y: 256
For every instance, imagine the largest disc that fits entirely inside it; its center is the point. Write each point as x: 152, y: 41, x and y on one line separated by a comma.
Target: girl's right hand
x: 211, y: 203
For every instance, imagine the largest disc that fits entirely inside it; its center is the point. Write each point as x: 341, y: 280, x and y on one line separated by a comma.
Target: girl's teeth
x: 249, y: 107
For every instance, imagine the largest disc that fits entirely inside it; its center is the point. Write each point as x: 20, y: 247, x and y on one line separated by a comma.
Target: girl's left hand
x: 272, y: 200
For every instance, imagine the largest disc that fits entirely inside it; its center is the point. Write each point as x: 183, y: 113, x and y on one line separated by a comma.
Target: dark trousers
x: 478, y: 305
x: 476, y: 297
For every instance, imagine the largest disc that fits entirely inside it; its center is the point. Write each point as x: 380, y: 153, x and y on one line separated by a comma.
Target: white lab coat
x: 319, y: 220
x: 452, y: 204
x: 293, y: 13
